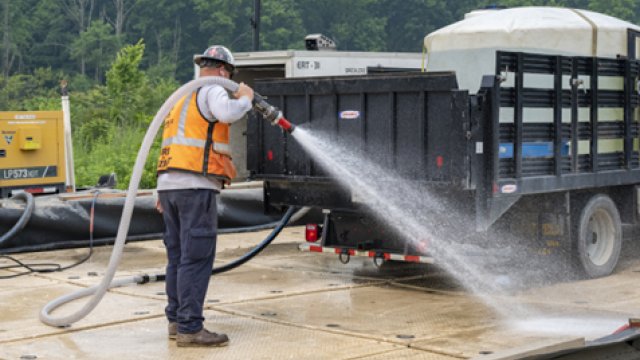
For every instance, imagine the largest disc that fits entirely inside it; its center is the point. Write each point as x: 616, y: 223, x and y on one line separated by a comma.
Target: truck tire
x: 597, y: 235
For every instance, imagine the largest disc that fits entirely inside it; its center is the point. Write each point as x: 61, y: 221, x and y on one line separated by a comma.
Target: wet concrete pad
x: 597, y: 294
x: 470, y: 342
x: 8, y: 285
x: 147, y: 339
x: 248, y: 283
x: 20, y: 308
x: 530, y: 323
x: 385, y: 313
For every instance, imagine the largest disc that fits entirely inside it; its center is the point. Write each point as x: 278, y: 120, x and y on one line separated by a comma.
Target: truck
x: 547, y: 147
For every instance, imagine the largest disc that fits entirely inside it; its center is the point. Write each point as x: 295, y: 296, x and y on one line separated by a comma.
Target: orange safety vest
x: 192, y: 143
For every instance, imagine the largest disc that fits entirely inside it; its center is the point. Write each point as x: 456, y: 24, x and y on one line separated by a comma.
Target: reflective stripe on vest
x: 180, y: 139
x: 217, y: 147
x: 183, y: 141
x: 221, y: 148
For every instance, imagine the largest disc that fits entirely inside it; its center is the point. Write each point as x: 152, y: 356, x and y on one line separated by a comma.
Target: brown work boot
x: 173, y: 330
x: 202, y: 338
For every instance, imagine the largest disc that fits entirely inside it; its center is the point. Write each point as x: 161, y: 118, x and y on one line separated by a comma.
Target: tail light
x: 34, y: 190
x: 312, y: 232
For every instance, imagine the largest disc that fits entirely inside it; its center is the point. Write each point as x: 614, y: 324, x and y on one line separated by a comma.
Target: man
x: 194, y: 165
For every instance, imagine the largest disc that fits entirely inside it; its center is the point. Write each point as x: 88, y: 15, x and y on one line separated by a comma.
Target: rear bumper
x: 387, y: 256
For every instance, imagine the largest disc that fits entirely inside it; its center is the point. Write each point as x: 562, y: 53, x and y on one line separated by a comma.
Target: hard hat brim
x: 198, y: 59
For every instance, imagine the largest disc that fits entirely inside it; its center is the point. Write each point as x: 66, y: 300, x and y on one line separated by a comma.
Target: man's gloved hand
x: 244, y: 90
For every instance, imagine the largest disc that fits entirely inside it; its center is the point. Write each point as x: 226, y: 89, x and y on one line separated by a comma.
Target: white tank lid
x: 563, y: 29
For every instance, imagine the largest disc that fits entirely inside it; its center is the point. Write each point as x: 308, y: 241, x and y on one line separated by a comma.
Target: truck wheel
x: 598, y: 236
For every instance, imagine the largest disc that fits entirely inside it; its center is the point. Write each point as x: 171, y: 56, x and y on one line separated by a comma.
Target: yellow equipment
x: 32, y: 152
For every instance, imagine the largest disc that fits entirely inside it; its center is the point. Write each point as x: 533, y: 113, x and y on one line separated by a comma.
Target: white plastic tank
x: 468, y: 46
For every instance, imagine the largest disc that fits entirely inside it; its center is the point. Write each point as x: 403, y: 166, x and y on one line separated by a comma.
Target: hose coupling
x: 271, y: 113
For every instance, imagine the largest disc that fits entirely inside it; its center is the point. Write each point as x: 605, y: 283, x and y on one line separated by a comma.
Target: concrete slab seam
x: 83, y: 328
x: 335, y: 332
x: 426, y: 289
x: 391, y: 353
x: 292, y: 294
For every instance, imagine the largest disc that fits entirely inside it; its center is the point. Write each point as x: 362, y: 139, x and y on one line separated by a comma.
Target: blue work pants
x: 191, y: 222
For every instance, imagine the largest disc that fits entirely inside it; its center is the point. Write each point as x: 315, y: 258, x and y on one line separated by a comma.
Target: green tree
x: 16, y: 35
x: 624, y: 9
x: 409, y: 21
x: 52, y: 36
x: 126, y: 85
x: 282, y: 27
x: 37, y: 91
x: 80, y: 13
x: 96, y: 47
x: 220, y: 21
x: 111, y: 120
x: 228, y: 22
x: 354, y: 25
x: 171, y: 32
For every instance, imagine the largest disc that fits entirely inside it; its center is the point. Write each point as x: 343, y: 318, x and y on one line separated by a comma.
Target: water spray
x: 271, y: 113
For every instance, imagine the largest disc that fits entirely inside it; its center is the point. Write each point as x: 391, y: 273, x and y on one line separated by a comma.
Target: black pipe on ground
x: 24, y: 218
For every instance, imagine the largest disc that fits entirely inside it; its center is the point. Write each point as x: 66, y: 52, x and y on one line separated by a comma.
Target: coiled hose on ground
x: 24, y: 218
x: 99, y: 290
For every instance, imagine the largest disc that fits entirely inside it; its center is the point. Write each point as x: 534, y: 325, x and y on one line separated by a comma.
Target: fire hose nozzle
x: 271, y: 113
x: 284, y: 124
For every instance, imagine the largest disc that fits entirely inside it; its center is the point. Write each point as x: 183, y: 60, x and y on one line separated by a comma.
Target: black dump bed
x: 413, y: 124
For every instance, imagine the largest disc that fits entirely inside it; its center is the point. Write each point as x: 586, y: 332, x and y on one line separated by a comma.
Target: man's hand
x: 244, y: 90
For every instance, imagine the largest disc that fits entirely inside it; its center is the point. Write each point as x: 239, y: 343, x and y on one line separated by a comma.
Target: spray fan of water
x: 401, y: 205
